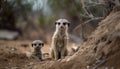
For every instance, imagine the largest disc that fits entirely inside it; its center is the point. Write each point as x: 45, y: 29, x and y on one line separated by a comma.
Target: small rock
x: 88, y: 67
x: 31, y: 63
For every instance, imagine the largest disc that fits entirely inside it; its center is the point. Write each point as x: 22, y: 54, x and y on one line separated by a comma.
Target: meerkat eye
x: 58, y: 23
x: 64, y: 23
x: 39, y: 44
x: 34, y: 44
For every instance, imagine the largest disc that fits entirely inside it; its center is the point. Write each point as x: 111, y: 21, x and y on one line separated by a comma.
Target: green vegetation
x: 11, y: 10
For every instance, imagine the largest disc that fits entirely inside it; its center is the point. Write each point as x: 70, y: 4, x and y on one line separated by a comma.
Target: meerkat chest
x: 60, y: 41
x: 37, y: 52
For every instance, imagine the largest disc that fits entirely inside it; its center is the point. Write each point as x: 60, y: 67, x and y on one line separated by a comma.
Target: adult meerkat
x: 36, y: 49
x: 59, y: 39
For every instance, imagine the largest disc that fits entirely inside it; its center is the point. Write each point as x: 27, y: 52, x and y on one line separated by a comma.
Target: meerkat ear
x: 32, y: 45
x: 68, y: 24
x: 55, y: 23
x: 42, y: 44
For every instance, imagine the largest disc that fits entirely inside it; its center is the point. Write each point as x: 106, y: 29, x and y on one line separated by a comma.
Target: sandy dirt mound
x: 13, y: 55
x: 100, y: 51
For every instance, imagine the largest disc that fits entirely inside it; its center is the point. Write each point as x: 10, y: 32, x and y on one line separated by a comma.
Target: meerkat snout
x: 62, y: 27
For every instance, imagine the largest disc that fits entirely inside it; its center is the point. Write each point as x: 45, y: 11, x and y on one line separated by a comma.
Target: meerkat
x: 36, y: 49
x: 60, y: 39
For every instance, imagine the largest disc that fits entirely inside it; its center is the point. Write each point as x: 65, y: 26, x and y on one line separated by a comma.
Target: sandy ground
x: 13, y: 55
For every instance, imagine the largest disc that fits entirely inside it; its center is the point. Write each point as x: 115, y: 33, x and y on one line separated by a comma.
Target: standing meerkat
x: 60, y: 39
x: 36, y: 49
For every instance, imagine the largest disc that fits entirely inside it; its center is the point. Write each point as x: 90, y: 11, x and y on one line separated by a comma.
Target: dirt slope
x: 101, y: 51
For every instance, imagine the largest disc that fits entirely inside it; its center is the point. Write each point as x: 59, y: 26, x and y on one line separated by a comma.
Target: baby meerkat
x: 36, y: 52
x: 60, y: 39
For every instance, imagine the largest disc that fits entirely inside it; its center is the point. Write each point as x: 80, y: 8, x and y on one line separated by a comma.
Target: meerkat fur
x: 36, y: 49
x: 60, y: 39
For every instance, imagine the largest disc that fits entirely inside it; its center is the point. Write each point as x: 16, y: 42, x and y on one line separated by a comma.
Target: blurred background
x: 34, y: 19
x: 22, y: 21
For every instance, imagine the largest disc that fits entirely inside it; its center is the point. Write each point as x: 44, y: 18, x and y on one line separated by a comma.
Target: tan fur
x: 60, y: 40
x: 36, y: 49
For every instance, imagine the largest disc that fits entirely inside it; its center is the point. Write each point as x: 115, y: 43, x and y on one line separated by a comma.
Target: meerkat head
x: 62, y: 24
x: 37, y: 44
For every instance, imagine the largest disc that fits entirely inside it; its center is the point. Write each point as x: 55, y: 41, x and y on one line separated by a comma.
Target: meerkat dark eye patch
x: 41, y: 44
x: 58, y: 23
x: 33, y: 45
x: 64, y: 23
